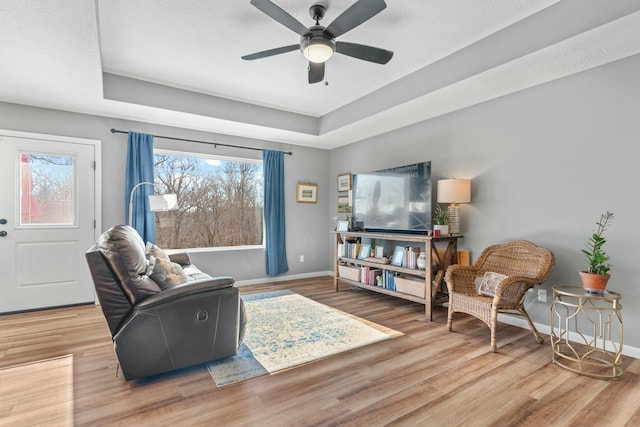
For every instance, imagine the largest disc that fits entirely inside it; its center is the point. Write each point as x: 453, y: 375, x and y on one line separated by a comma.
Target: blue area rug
x: 285, y: 329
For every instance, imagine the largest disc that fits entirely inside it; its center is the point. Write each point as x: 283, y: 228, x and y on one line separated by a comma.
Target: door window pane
x: 46, y: 189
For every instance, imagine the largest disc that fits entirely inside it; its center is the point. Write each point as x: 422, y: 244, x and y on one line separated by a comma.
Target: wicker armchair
x: 525, y: 264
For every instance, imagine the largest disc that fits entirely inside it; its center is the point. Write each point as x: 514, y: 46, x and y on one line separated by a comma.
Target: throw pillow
x: 489, y: 283
x: 151, y: 263
x: 167, y: 274
x: 153, y: 250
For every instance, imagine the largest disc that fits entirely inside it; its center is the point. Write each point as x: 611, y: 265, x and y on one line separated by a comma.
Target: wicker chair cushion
x: 489, y: 282
x: 510, y: 296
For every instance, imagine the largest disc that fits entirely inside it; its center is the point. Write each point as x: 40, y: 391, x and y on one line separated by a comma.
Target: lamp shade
x: 454, y: 191
x: 163, y: 202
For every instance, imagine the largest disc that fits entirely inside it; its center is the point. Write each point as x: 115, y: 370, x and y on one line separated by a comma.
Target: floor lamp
x: 454, y: 191
x: 157, y: 202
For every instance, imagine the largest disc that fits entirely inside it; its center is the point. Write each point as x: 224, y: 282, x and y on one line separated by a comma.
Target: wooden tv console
x: 432, y: 277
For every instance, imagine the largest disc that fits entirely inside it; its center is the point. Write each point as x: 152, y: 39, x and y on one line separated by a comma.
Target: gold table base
x: 594, y: 323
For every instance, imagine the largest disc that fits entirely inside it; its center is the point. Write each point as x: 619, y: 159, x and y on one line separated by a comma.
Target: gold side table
x: 586, y: 331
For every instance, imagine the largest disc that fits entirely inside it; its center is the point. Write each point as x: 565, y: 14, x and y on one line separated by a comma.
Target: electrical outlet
x: 301, y: 258
x: 542, y: 295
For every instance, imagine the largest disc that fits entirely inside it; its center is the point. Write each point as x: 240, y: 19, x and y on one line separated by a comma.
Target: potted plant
x: 595, y: 278
x: 441, y: 221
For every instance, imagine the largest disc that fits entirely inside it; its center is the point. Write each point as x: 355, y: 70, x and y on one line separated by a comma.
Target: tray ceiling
x: 178, y: 63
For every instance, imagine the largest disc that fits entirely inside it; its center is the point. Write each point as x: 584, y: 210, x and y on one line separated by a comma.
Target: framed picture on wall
x: 343, y: 204
x: 344, y: 182
x: 307, y: 193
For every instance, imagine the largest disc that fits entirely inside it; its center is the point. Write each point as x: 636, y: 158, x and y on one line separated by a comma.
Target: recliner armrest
x: 186, y: 289
x: 181, y: 258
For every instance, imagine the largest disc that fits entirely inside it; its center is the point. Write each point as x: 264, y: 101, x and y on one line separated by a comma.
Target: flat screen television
x: 394, y: 200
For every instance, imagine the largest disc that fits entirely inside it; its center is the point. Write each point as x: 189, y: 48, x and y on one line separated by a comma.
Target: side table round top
x: 579, y: 291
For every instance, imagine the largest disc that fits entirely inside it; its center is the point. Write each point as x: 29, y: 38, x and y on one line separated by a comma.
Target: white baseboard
x: 286, y: 278
x: 521, y: 322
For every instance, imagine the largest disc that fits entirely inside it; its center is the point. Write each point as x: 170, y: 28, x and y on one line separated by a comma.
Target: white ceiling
x: 178, y: 62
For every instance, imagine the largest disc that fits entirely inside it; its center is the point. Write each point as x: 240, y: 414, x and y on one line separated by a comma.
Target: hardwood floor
x: 428, y: 376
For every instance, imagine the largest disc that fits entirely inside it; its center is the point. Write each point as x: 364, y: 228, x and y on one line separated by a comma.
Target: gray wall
x: 307, y: 224
x: 544, y: 164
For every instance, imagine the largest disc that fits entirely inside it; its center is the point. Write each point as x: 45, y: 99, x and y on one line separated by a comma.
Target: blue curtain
x: 276, y: 242
x: 140, y: 169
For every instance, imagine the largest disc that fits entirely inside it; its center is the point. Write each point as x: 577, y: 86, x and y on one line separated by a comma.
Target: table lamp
x: 454, y: 191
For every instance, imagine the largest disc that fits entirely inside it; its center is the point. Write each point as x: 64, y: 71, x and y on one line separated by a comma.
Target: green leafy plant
x: 440, y: 216
x: 596, y: 256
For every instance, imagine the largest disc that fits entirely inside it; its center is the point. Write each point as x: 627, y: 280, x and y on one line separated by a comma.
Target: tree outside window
x: 46, y: 189
x: 219, y: 201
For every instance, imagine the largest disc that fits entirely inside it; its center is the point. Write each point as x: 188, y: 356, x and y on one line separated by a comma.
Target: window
x: 46, y: 189
x: 219, y: 201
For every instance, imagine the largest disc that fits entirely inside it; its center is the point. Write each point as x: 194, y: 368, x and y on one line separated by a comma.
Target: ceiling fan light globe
x: 318, y: 52
x: 316, y: 46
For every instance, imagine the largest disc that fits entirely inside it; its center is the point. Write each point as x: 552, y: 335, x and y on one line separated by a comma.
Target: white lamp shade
x: 454, y: 191
x: 163, y: 202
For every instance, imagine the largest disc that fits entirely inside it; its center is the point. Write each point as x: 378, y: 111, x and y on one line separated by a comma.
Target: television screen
x: 395, y: 199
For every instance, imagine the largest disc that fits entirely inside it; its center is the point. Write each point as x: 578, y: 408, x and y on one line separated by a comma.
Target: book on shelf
x: 352, y: 248
x: 411, y: 256
x: 387, y: 280
x: 369, y: 275
x: 364, y: 272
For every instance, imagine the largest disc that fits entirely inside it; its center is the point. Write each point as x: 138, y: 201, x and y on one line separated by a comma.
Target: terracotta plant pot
x: 595, y: 283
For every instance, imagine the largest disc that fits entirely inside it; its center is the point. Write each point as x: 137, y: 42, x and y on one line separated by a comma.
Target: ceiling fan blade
x: 364, y: 52
x: 316, y: 72
x: 359, y: 12
x: 271, y: 52
x: 275, y: 12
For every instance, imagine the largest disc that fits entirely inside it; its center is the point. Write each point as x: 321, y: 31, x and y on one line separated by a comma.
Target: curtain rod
x: 215, y: 144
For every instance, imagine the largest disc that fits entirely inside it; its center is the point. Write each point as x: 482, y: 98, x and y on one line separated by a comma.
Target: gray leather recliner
x: 157, y: 330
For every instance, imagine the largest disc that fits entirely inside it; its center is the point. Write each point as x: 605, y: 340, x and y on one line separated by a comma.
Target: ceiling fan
x: 318, y: 43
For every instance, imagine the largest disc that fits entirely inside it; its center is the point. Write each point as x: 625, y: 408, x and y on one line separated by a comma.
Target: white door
x: 47, y: 216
